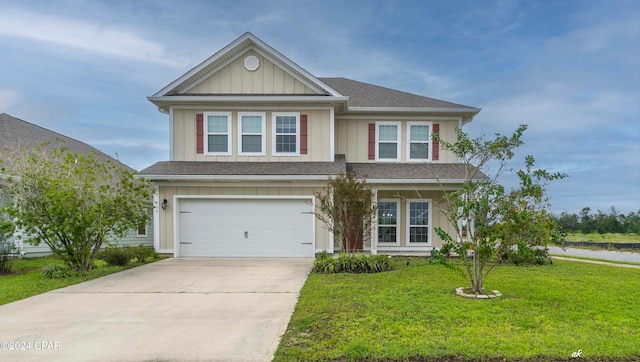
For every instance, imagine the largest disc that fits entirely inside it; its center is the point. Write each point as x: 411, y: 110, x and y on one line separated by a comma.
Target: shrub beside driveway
x: 412, y: 313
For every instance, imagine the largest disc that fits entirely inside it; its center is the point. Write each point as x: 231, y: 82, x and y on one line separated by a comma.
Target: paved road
x: 599, y: 254
x: 173, y: 310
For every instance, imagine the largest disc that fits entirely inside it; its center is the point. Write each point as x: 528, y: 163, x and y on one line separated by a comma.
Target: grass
x: 595, y: 259
x: 27, y: 280
x: 412, y: 313
x: 604, y: 238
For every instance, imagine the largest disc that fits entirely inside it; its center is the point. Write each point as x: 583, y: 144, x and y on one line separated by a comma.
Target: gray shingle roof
x: 390, y: 171
x: 416, y: 171
x: 369, y: 95
x: 16, y: 133
x: 199, y: 168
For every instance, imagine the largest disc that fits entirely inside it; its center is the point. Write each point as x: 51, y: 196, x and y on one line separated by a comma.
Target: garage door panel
x: 273, y: 227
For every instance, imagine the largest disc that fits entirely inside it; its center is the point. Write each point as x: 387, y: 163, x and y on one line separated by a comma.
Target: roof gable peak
x: 233, y: 51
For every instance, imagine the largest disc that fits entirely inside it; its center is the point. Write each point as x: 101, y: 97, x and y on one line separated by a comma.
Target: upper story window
x: 419, y: 141
x: 388, y: 141
x: 251, y: 139
x: 286, y: 134
x: 218, y: 131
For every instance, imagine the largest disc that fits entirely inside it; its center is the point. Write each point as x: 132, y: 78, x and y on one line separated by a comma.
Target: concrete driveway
x: 173, y: 310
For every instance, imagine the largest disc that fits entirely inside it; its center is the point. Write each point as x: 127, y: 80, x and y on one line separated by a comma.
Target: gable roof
x: 348, y: 96
x: 235, y: 49
x: 16, y: 133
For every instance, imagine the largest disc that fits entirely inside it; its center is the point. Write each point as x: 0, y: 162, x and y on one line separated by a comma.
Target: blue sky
x: 568, y: 69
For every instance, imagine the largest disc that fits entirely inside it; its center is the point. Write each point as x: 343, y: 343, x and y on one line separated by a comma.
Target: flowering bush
x: 345, y: 207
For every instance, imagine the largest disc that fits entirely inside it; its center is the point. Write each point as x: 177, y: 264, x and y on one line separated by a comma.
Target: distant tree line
x: 589, y: 222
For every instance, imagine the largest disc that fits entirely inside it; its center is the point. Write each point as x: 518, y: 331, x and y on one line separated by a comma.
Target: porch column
x: 374, y: 223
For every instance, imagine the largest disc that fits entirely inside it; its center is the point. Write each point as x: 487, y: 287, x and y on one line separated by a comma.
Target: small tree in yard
x: 344, y: 206
x: 496, y: 220
x: 72, y: 202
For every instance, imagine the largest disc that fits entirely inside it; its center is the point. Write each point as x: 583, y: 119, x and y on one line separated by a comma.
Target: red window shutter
x: 435, y: 153
x: 372, y: 141
x: 199, y: 133
x: 303, y: 134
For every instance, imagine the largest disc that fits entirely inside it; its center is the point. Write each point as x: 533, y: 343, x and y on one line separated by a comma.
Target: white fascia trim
x: 240, y: 108
x: 414, y: 109
x: 238, y: 177
x: 414, y: 181
x: 391, y: 117
x: 213, y: 98
x: 205, y: 63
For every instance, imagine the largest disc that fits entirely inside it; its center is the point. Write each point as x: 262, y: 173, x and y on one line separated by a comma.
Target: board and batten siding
x: 352, y: 138
x: 166, y: 225
x: 234, y: 78
x: 318, y: 140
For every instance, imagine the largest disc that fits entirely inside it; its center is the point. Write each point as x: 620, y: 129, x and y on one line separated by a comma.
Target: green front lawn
x: 604, y: 238
x: 546, y: 313
x: 27, y: 280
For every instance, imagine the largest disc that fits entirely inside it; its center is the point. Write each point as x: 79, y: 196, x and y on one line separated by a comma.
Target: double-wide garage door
x: 246, y: 227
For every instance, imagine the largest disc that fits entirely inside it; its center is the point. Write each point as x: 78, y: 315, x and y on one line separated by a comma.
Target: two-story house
x: 254, y: 135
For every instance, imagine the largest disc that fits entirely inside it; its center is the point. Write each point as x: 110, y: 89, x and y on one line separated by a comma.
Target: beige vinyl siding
x: 318, y: 142
x: 352, y: 138
x: 234, y: 78
x: 438, y: 219
x: 167, y: 192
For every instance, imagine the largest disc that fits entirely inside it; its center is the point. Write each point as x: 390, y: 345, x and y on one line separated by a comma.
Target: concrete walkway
x: 173, y: 310
x: 597, y: 254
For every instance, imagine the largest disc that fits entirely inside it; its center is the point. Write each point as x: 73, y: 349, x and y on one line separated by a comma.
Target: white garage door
x: 246, y: 227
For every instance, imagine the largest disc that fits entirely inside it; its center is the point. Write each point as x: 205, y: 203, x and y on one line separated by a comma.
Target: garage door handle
x: 306, y: 243
x: 185, y: 242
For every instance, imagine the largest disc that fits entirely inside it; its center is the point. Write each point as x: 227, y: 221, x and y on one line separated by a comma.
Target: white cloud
x: 8, y: 98
x: 92, y: 37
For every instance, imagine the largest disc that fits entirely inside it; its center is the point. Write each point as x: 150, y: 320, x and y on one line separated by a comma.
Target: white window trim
x: 273, y: 134
x: 206, y: 133
x: 408, y: 222
x: 429, y: 142
x: 398, y: 223
x: 398, y: 125
x: 263, y: 116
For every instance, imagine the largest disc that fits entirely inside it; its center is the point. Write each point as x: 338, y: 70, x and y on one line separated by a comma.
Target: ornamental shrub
x: 353, y: 263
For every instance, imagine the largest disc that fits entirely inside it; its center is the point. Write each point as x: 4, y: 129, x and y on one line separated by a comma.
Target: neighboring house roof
x: 16, y: 133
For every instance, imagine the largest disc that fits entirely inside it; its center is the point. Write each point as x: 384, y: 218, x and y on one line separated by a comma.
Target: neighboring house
x: 254, y: 135
x: 16, y: 133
